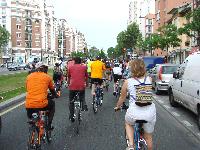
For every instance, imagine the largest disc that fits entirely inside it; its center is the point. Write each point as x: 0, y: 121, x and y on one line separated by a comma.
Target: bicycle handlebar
x: 123, y: 107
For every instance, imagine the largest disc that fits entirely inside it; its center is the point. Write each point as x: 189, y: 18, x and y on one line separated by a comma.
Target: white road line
x: 160, y: 101
x: 10, y: 109
x: 187, y: 123
x: 198, y: 134
x: 175, y: 114
x: 166, y: 106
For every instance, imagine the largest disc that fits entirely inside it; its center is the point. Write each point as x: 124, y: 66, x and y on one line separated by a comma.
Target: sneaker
x: 101, y: 102
x: 114, y: 93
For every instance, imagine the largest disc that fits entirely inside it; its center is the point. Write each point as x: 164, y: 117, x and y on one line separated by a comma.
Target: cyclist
x: 37, y: 84
x: 58, y: 77
x: 117, y: 75
x: 77, y: 80
x: 134, y: 111
x: 89, y: 69
x: 97, y: 72
x: 108, y: 70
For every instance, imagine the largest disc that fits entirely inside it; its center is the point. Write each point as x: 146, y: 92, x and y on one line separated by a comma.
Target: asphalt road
x: 101, y: 131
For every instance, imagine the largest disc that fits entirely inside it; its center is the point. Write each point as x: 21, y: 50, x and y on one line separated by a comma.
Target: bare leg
x: 149, y: 140
x: 93, y: 87
x: 129, y: 133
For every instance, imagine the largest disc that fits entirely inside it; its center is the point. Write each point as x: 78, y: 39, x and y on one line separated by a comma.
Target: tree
x: 111, y: 52
x: 132, y: 35
x: 102, y: 54
x: 168, y: 37
x: 93, y: 52
x: 193, y: 25
x: 4, y: 37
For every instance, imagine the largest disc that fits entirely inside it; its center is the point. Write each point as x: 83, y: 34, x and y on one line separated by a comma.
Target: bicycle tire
x: 143, y: 145
x: 76, y: 121
x: 79, y: 116
x: 94, y: 105
x: 33, y: 138
x: 48, y: 132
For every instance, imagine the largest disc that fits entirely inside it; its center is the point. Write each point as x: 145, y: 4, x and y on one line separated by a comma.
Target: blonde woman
x: 134, y: 111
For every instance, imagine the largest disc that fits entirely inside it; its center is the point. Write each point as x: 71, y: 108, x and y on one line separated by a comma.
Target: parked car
x: 23, y: 66
x: 13, y: 67
x: 184, y: 87
x: 161, y: 75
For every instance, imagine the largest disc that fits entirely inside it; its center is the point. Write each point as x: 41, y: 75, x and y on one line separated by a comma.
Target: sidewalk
x: 12, y: 101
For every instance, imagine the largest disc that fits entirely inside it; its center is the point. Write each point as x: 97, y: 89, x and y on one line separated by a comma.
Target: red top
x: 77, y: 76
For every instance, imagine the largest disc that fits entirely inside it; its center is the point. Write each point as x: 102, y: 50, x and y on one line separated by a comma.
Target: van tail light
x: 160, y: 74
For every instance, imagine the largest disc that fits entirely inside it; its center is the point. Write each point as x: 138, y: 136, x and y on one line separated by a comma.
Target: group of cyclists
x: 78, y: 75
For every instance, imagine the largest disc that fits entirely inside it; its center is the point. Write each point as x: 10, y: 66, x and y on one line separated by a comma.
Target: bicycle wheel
x: 143, y: 145
x: 94, y: 104
x: 33, y: 138
x: 76, y: 121
x: 48, y: 131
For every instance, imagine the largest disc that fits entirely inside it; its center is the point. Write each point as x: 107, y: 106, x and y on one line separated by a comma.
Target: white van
x: 184, y: 87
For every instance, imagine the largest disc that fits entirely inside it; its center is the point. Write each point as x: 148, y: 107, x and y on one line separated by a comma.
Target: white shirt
x: 117, y: 70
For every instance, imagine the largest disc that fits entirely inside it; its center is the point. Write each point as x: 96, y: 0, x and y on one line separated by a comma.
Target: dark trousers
x: 72, y: 94
x: 50, y: 107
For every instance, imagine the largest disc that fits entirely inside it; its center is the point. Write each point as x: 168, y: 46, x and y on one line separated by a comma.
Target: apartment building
x: 138, y: 10
x: 5, y: 22
x: 162, y: 16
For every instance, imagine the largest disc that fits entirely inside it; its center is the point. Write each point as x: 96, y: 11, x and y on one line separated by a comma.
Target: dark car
x: 23, y: 66
x: 13, y: 67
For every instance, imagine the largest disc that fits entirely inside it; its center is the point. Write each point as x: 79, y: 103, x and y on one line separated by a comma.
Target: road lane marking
x: 160, y: 101
x: 175, y: 114
x: 10, y: 109
x: 198, y: 134
x: 166, y: 106
x: 187, y: 123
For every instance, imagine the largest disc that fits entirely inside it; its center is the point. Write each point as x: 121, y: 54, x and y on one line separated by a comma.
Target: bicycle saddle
x: 141, y: 121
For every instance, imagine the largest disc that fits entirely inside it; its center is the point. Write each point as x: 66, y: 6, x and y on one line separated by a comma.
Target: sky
x: 99, y: 20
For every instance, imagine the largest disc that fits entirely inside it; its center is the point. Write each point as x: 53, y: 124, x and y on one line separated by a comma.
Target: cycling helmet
x: 98, y: 57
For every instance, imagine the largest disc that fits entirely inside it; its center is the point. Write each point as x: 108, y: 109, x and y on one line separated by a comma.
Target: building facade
x: 138, y: 10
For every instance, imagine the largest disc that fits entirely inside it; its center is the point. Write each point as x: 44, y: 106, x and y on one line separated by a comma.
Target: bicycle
x: 98, y: 97
x: 117, y: 88
x: 77, y: 111
x: 139, y: 141
x: 58, y: 86
x: 106, y: 84
x: 39, y: 129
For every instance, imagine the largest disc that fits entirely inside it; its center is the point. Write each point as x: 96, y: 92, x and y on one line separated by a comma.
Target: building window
x: 18, y: 35
x: 3, y: 11
x: 37, y: 29
x: 37, y: 43
x: 18, y: 43
x: 19, y: 27
x: 3, y: 19
x: 18, y: 19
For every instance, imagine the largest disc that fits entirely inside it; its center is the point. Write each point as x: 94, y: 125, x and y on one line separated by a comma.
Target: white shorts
x: 147, y: 113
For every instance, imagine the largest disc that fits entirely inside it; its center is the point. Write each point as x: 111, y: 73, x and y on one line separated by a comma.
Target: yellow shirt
x: 97, y: 68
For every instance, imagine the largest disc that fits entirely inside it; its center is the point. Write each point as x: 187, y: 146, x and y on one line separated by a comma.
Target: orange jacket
x: 37, y: 84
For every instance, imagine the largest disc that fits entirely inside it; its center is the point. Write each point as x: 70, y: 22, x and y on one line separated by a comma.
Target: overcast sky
x: 99, y: 20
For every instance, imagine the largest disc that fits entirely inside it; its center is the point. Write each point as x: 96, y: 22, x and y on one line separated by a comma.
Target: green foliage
x: 193, y: 25
x: 111, y: 52
x: 4, y: 36
x: 78, y: 54
x: 128, y: 39
x: 168, y: 36
x: 102, y: 54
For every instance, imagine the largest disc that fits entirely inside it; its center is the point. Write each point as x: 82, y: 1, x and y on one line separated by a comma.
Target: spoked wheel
x: 143, y: 145
x: 33, y: 141
x: 94, y: 104
x: 76, y: 122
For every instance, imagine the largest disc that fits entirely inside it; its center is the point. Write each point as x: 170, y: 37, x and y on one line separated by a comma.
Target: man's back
x: 97, y: 68
x: 37, y: 84
x: 77, y: 74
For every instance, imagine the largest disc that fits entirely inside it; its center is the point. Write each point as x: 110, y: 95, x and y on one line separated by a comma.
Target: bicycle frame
x: 38, y: 126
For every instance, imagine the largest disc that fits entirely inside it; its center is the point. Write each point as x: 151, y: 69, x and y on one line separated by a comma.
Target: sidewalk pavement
x: 12, y: 101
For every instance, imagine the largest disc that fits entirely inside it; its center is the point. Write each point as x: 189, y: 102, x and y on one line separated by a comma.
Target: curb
x: 12, y: 101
